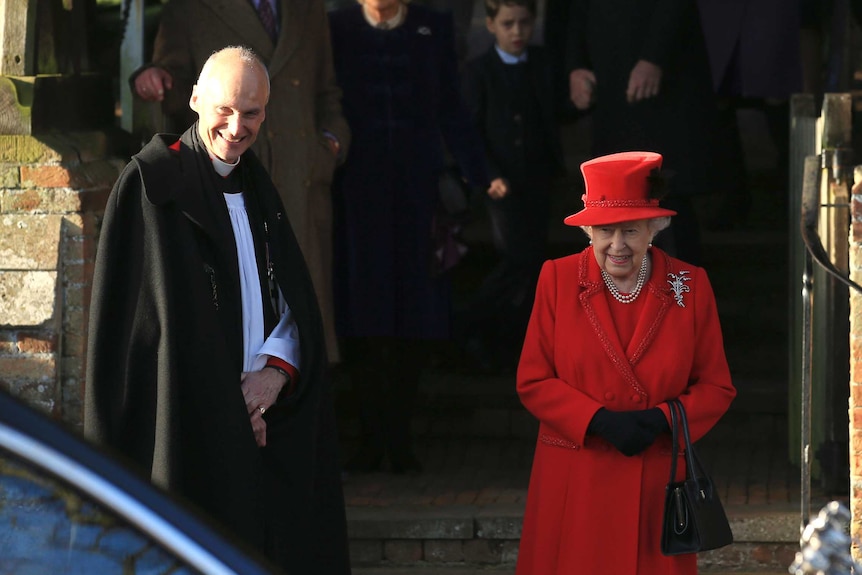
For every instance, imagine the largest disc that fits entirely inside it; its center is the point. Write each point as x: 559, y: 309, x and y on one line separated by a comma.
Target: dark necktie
x: 267, y: 18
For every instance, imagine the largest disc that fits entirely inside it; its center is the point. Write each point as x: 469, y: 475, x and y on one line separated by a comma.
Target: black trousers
x: 499, y: 310
x: 385, y: 376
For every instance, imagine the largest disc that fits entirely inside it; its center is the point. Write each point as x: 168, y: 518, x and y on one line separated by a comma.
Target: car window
x: 48, y: 527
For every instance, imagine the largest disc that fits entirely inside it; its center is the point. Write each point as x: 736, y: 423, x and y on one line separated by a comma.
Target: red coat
x: 590, y: 509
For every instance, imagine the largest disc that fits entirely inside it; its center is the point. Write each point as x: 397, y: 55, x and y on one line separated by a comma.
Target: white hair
x: 655, y: 225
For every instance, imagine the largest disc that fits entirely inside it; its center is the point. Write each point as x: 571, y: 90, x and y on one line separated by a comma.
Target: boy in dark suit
x: 510, y: 93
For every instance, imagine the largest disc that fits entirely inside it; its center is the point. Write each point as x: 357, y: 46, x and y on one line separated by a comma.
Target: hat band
x: 619, y: 203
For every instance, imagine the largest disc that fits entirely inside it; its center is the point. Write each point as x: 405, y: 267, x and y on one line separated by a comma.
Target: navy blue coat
x: 402, y: 102
x: 490, y: 98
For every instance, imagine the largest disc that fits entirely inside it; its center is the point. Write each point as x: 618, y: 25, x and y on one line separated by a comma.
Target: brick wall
x: 856, y: 365
x: 52, y: 193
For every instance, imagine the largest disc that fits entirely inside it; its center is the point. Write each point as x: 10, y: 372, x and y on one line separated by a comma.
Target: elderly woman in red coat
x: 616, y: 331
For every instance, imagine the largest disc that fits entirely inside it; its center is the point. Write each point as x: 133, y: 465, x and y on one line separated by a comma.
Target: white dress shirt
x: 283, y: 342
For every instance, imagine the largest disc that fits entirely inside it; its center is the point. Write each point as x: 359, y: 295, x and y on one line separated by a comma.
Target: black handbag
x: 694, y: 519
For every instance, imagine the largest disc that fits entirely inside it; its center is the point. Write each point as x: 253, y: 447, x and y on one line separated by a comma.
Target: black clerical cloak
x: 165, y: 356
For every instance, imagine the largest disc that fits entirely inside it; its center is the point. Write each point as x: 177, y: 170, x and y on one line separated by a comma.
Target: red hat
x: 618, y: 190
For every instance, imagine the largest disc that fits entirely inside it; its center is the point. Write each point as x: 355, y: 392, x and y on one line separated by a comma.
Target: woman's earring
x: 591, y: 242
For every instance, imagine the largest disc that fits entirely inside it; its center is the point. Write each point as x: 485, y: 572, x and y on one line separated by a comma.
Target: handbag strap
x: 674, y: 431
x: 694, y: 469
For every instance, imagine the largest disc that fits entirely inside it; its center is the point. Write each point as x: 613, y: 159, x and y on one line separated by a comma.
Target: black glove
x: 652, y: 419
x: 631, y: 432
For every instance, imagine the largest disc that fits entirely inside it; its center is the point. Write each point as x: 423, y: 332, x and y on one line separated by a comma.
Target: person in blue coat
x: 397, y: 67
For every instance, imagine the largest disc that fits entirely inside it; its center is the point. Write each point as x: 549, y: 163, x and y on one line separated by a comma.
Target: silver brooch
x: 424, y: 30
x: 677, y: 284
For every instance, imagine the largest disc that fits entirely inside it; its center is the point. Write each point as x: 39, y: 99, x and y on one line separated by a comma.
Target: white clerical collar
x: 393, y: 22
x: 222, y: 168
x: 511, y: 58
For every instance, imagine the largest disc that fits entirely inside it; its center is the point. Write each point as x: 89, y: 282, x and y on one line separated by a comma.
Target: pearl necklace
x: 628, y: 298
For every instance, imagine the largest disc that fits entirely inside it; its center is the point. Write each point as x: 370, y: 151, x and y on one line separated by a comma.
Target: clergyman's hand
x: 260, y: 390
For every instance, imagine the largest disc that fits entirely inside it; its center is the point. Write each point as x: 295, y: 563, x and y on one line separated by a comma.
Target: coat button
x: 517, y: 142
x: 270, y: 134
x: 636, y: 398
x: 517, y: 118
x: 295, y: 82
x: 609, y: 395
x: 307, y: 183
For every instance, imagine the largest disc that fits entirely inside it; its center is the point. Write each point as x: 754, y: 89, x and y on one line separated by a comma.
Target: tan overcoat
x: 304, y: 102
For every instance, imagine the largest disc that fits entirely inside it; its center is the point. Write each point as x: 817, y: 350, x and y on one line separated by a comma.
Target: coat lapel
x: 240, y: 16
x: 293, y: 15
x: 181, y: 187
x: 657, y: 304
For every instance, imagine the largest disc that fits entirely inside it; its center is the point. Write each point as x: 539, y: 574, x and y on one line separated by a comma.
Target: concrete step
x: 458, y: 539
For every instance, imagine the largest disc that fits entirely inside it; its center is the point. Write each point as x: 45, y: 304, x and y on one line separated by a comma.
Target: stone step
x: 464, y: 539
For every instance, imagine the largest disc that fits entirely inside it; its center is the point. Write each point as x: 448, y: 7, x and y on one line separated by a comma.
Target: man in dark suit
x: 509, y: 91
x: 641, y: 68
x: 206, y: 363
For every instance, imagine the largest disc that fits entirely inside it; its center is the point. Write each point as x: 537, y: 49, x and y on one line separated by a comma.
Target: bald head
x: 232, y: 58
x: 230, y: 99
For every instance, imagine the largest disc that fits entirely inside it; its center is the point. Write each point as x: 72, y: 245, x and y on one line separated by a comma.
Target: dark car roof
x: 37, y: 439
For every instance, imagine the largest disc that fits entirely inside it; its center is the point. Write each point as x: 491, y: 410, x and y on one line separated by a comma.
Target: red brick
x: 444, y: 551
x: 402, y: 550
x: 856, y: 442
x: 857, y: 226
x: 26, y: 201
x: 55, y: 176
x: 763, y: 554
x: 466, y: 497
x: 445, y: 499
x: 366, y: 551
x: 35, y: 344
x: 32, y: 367
x: 856, y: 394
x: 482, y: 551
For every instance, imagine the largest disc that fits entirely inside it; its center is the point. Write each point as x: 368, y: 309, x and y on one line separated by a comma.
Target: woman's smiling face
x: 620, y: 248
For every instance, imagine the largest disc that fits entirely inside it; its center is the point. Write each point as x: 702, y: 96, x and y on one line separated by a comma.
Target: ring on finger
x: 261, y: 409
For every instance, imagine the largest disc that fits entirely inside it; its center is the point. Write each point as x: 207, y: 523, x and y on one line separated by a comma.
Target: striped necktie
x: 267, y: 18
